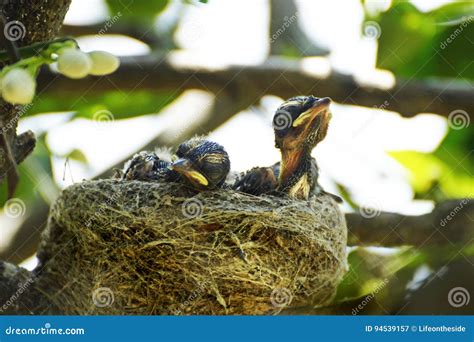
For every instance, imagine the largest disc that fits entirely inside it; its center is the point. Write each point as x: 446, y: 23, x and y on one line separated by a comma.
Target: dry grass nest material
x: 116, y: 247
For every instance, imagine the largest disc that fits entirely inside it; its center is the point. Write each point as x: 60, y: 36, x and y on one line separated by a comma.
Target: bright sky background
x: 226, y: 32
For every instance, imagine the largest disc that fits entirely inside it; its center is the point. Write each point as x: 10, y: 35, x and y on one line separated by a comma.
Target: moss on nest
x: 116, y: 247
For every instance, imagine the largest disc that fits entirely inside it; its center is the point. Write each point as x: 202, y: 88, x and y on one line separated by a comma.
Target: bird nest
x: 115, y: 247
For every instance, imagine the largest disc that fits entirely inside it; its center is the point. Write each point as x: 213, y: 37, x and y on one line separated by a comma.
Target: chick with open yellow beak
x: 300, y: 123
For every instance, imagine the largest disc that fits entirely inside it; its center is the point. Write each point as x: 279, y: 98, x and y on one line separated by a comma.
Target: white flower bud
x: 18, y: 86
x: 74, y: 63
x: 103, y: 63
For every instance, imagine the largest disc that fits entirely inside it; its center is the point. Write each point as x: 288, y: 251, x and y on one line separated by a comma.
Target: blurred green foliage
x: 369, y: 271
x: 417, y: 45
x: 138, y: 12
x: 388, y: 276
x: 420, y: 45
x: 119, y: 104
x: 439, y: 43
x: 445, y: 173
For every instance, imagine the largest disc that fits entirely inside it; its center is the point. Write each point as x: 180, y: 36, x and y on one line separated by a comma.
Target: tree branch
x: 34, y: 21
x: 284, y: 78
x: 285, y: 33
x: 15, y: 297
x: 24, y: 242
x: 157, y: 39
x: 450, y: 222
x: 147, y: 36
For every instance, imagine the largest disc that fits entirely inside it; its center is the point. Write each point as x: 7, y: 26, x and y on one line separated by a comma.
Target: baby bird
x: 203, y: 164
x: 147, y: 166
x: 258, y: 180
x: 300, y: 123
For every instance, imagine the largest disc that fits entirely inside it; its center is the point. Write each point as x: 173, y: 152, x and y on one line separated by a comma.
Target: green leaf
x: 369, y: 270
x: 406, y: 39
x: 455, y: 50
x: 421, y: 45
x: 363, y: 273
x: 140, y: 12
x: 193, y: 2
x: 451, y: 14
x: 77, y: 155
x: 447, y: 171
x: 434, y: 179
x: 438, y: 256
x: 424, y: 168
x: 114, y: 104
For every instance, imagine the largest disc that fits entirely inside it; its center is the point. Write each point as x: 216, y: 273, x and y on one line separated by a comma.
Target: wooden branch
x: 436, y: 294
x: 450, y: 222
x: 24, y: 242
x: 9, y: 44
x: 16, y: 294
x: 24, y: 145
x: 162, y: 40
x: 284, y: 78
x: 285, y: 33
x: 145, y: 35
x: 35, y: 21
x: 9, y: 163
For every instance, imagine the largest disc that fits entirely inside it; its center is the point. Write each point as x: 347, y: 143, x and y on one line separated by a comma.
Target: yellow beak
x: 318, y: 107
x: 184, y: 167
